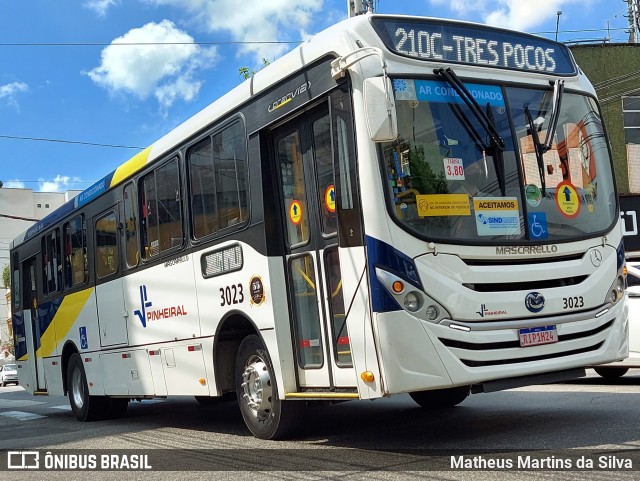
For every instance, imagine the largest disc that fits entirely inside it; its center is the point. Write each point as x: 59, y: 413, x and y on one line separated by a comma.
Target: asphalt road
x: 392, y: 438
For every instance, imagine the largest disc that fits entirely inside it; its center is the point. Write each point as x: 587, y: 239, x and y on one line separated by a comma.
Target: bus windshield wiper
x: 498, y: 157
x: 538, y: 148
x: 452, y: 79
x: 558, y: 90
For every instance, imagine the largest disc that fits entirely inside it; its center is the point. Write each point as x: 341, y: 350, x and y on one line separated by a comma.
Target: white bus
x: 399, y: 205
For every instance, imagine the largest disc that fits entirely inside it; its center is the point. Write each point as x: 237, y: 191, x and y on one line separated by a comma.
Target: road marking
x: 64, y: 407
x: 21, y: 415
x: 11, y: 403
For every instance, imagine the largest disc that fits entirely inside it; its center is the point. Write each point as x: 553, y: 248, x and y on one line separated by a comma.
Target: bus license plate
x: 534, y: 336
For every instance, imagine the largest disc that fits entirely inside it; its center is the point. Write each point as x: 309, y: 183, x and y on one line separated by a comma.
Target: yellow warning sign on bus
x: 330, y: 198
x: 295, y: 212
x: 432, y: 205
x: 567, y: 200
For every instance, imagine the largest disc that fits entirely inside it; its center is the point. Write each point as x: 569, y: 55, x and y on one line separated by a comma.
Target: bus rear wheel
x: 611, y: 372
x: 441, y: 398
x: 84, y: 406
x: 265, y: 414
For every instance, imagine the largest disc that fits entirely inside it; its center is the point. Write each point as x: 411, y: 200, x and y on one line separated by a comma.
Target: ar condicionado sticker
x: 567, y: 200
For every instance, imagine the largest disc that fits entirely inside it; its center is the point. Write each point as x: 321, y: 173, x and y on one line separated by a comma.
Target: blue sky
x: 62, y: 79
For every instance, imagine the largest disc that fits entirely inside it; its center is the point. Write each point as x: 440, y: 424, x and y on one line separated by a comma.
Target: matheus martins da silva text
x: 548, y: 462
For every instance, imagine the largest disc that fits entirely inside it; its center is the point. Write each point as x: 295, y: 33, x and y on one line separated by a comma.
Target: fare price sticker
x: 453, y: 168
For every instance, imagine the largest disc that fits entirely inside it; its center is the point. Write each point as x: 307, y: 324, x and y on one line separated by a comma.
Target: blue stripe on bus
x: 381, y: 254
x: 84, y: 197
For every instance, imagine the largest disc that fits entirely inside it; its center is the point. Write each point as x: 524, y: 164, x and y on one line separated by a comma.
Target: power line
x: 62, y: 141
x: 129, y: 44
x: 18, y: 218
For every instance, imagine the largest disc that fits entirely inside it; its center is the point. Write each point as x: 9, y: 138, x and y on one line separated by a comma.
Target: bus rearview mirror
x: 380, y: 109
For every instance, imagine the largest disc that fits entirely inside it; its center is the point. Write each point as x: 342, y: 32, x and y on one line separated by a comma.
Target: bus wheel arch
x: 231, y: 331
x: 67, y: 351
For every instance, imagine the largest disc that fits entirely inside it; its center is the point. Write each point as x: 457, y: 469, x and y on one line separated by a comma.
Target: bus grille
x: 526, y: 285
x: 471, y: 363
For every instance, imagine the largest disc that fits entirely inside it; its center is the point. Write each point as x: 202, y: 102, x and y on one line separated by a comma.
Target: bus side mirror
x: 380, y: 109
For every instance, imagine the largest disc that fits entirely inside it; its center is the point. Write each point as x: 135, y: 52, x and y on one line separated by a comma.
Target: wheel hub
x: 256, y: 387
x: 77, y: 390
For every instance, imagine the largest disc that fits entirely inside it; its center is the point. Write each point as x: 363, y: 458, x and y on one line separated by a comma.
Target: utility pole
x: 633, y: 15
x: 359, y: 7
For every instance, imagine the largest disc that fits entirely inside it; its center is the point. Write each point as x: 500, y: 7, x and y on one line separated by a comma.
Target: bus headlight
x: 617, y: 290
x: 433, y: 313
x: 413, y: 301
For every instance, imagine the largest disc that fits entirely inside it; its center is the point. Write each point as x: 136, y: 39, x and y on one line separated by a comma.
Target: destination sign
x: 447, y: 41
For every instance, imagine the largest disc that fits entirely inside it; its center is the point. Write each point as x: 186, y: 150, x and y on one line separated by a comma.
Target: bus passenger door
x: 112, y: 316
x: 33, y: 329
x: 304, y: 163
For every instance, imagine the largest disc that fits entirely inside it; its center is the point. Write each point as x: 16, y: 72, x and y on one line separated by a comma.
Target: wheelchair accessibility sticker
x: 84, y: 342
x: 537, y: 225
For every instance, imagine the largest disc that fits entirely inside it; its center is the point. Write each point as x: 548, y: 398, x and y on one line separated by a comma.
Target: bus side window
x: 130, y: 222
x: 51, y: 263
x: 106, y: 245
x: 75, y: 243
x: 161, y: 226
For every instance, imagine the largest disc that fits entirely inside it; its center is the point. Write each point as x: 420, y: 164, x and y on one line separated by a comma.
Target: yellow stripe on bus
x: 132, y: 165
x: 67, y: 314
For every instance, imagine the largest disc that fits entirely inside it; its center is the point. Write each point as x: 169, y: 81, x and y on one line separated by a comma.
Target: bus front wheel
x: 265, y: 414
x: 84, y: 406
x: 440, y: 398
x: 611, y: 372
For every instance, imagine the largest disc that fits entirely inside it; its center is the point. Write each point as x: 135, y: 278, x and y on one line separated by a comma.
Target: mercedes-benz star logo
x: 596, y: 257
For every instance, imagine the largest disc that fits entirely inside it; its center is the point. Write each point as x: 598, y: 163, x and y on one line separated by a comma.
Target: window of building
x: 161, y: 223
x: 631, y: 119
x: 51, y: 263
x: 218, y: 178
x: 76, y: 265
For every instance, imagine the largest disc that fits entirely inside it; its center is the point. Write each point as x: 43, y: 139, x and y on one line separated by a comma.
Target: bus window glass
x: 76, y: 262
x: 15, y: 282
x: 229, y: 160
x: 293, y: 189
x: 51, y: 263
x: 341, y: 345
x: 324, y: 169
x: 203, y: 200
x: 218, y: 179
x: 161, y: 225
x: 106, y: 245
x: 448, y: 179
x: 130, y: 227
x: 342, y: 139
x: 305, y: 311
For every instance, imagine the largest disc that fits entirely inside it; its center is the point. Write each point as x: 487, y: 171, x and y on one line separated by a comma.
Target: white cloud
x: 61, y: 183
x: 100, y: 6
x: 14, y: 184
x: 9, y: 91
x: 165, y: 71
x: 513, y: 14
x: 262, y: 21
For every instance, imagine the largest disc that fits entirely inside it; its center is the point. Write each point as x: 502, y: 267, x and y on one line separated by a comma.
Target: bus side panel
x: 53, y: 377
x: 359, y: 322
x: 161, y: 303
x: 25, y: 357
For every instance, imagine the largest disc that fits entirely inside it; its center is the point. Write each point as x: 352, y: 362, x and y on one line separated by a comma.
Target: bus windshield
x: 450, y: 180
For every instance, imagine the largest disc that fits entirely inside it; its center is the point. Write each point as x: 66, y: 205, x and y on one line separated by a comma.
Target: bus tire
x: 84, y: 406
x: 265, y: 414
x: 611, y: 372
x: 441, y: 398
x: 116, y: 407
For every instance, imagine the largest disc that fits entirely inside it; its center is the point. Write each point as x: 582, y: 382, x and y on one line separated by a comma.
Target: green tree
x: 246, y: 72
x: 6, y: 277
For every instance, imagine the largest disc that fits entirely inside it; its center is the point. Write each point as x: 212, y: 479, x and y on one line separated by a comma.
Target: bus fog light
x: 432, y: 313
x: 413, y: 302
